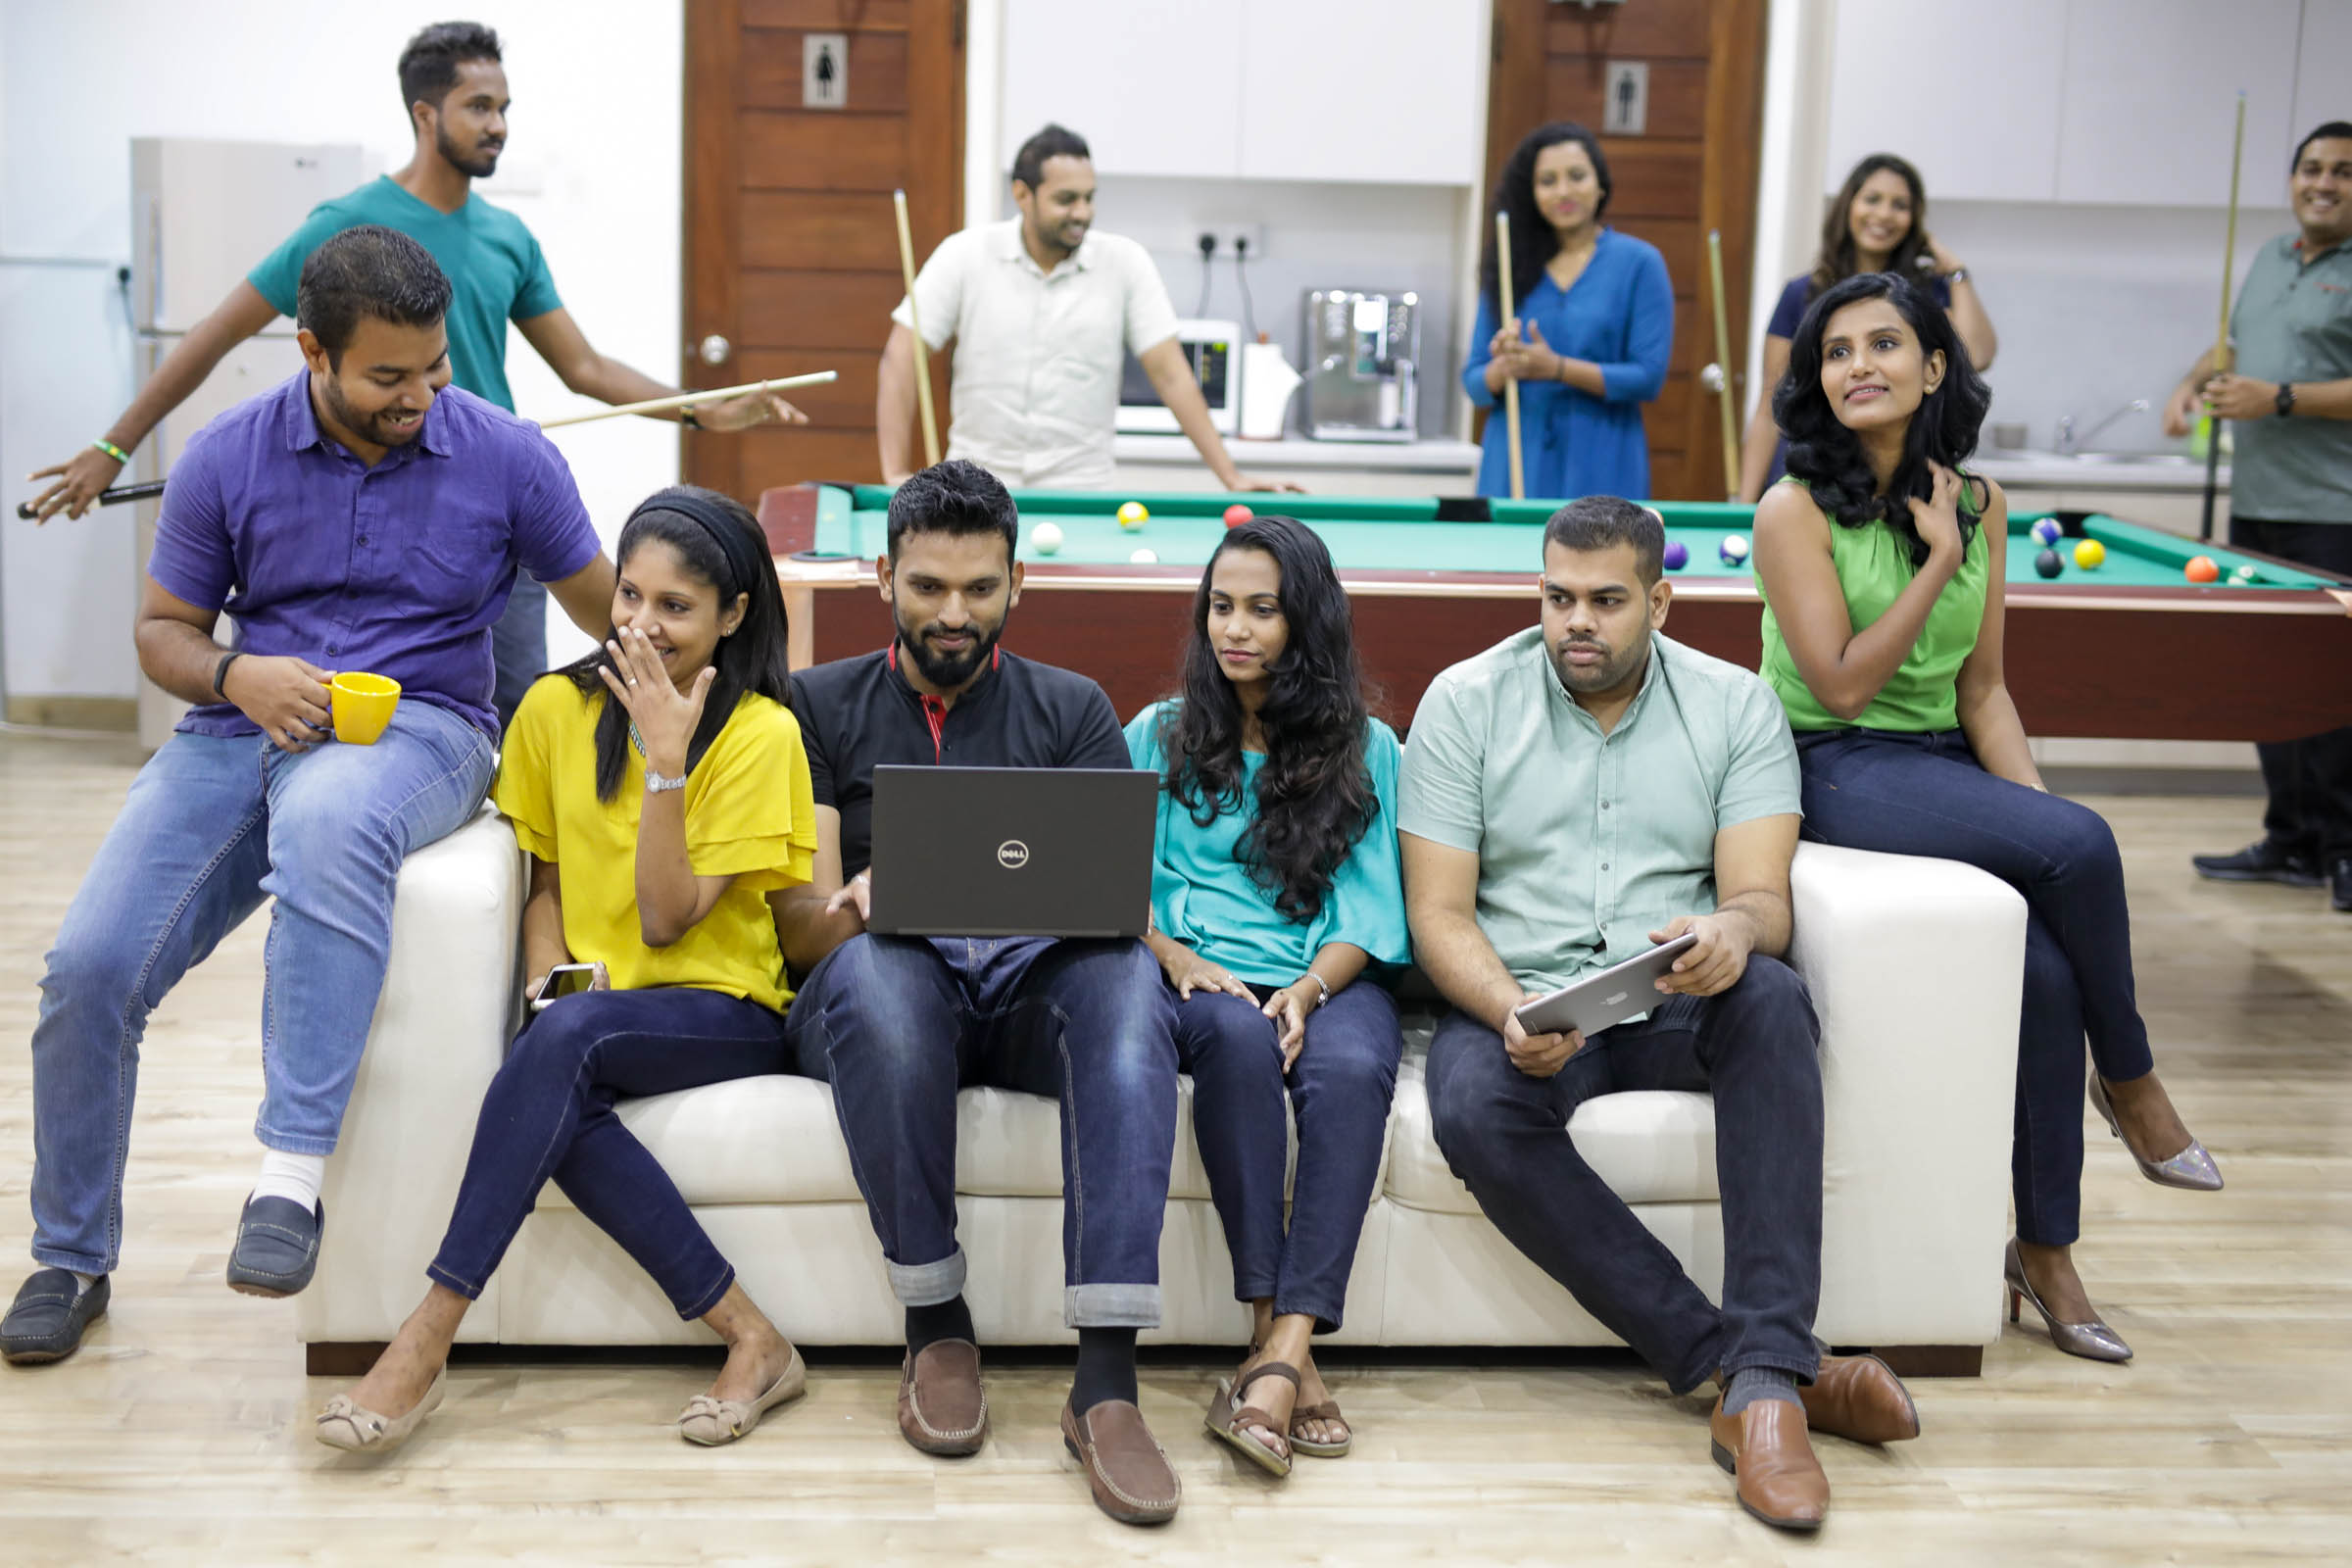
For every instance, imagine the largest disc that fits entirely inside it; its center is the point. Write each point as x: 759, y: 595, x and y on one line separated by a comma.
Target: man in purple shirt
x: 358, y: 517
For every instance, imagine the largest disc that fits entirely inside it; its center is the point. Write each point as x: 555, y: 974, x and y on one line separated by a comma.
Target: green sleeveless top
x: 1874, y: 567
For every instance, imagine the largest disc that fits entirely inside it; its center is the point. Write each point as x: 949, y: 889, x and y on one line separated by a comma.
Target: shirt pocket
x: 457, y: 556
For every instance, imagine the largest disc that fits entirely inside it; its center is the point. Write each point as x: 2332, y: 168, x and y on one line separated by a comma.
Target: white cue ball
x: 1145, y: 558
x: 1046, y: 537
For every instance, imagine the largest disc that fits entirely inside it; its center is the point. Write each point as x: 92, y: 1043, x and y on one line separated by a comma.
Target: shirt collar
x: 302, y: 428
x: 1010, y: 249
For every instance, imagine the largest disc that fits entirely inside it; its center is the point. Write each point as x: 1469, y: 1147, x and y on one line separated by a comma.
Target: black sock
x: 950, y: 1320
x: 1105, y: 1368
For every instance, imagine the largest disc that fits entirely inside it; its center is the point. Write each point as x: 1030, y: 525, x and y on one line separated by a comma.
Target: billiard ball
x: 1237, y: 514
x: 1133, y: 514
x: 2201, y: 568
x: 1143, y: 557
x: 2049, y: 564
x: 1678, y: 555
x: 2047, y: 531
x: 2245, y: 574
x: 2089, y: 554
x: 1047, y: 536
x: 1733, y: 550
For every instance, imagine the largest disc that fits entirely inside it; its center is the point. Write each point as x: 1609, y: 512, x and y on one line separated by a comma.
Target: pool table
x: 2129, y: 650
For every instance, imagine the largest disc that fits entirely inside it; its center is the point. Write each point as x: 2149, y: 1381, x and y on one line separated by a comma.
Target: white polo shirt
x: 1038, y: 356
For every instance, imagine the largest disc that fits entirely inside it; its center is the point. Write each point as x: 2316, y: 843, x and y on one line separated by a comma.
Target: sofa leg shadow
x: 1934, y: 1360
x: 340, y: 1358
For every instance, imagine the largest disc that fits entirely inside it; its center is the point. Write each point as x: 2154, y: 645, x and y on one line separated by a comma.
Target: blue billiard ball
x: 1678, y: 555
x: 2047, y: 531
x: 1733, y: 550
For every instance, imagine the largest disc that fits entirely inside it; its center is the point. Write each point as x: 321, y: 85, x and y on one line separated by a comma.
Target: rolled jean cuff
x: 1111, y: 1307
x: 1325, y: 1313
x: 78, y: 1262
x: 928, y: 1284
x: 293, y: 1143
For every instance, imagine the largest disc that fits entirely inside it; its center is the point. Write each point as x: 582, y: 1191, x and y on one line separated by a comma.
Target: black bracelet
x: 221, y: 673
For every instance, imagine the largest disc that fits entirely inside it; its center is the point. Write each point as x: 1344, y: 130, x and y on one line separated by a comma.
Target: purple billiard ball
x: 1678, y: 555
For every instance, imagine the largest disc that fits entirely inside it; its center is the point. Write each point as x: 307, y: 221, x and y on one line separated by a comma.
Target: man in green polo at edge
x: 2289, y: 398
x: 454, y: 87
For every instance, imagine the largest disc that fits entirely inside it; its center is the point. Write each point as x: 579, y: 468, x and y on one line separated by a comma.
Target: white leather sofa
x: 1914, y: 968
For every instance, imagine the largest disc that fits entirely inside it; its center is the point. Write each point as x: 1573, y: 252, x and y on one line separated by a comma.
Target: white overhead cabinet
x: 1968, y: 90
x: 1383, y: 91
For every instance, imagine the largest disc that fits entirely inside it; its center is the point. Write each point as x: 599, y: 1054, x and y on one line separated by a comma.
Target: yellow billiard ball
x: 1132, y: 515
x: 2089, y: 554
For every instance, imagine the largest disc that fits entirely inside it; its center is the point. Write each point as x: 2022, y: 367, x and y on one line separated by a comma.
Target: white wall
x: 592, y: 167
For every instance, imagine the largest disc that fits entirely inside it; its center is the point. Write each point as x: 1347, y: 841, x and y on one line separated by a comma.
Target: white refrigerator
x: 202, y: 213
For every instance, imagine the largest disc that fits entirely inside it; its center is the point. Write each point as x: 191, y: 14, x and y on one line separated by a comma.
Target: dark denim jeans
x: 1927, y: 795
x: 2310, y: 780
x: 1341, y: 1087
x: 898, y: 1024
x: 519, y: 644
x: 1756, y: 1046
x: 548, y: 1113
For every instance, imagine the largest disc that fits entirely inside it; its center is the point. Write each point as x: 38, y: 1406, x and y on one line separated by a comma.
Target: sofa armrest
x: 1915, y: 968
x: 441, y: 1027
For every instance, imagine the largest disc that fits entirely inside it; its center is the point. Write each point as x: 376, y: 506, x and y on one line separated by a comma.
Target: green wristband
x: 111, y: 449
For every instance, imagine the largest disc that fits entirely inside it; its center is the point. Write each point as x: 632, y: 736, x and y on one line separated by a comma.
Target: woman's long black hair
x: 1534, y: 241
x: 1315, y: 792
x: 1829, y: 458
x: 1836, y: 260
x: 754, y: 658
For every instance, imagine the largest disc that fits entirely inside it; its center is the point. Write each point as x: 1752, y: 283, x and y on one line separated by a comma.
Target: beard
x: 482, y: 164
x: 369, y: 428
x: 1614, y: 671
x: 948, y: 670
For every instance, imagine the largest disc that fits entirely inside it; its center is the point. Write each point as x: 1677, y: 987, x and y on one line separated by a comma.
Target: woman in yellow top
x: 665, y: 887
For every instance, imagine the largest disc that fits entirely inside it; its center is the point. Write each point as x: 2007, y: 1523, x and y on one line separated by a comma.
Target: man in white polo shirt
x: 1042, y: 313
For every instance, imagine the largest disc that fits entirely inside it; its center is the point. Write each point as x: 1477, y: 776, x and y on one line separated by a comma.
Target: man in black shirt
x: 897, y: 1024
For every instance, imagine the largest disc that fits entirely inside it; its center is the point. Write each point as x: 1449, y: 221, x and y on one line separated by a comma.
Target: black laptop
x: 1012, y: 851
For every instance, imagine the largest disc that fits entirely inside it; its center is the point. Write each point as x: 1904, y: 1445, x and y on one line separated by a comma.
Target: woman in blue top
x: 1590, y: 344
x: 1275, y: 887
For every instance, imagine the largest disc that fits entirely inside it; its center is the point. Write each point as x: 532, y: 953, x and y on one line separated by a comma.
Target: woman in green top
x: 1881, y: 568
x: 1276, y: 896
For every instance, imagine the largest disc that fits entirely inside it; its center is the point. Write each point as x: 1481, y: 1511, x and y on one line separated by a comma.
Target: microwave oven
x: 1214, y: 351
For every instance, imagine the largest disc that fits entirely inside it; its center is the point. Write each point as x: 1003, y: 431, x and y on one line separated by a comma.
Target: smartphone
x: 1612, y: 997
x: 564, y: 980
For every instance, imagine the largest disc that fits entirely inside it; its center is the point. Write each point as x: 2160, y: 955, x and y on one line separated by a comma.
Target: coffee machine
x: 1363, y: 354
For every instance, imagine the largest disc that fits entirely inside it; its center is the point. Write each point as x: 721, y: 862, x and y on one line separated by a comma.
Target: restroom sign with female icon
x: 824, y: 69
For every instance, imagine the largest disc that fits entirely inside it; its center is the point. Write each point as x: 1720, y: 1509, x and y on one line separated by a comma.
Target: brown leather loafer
x: 943, y: 1410
x: 1764, y: 1447
x: 1129, y: 1473
x: 1859, y: 1397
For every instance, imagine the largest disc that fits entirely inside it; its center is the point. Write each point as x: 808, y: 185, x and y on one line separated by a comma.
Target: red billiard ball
x: 1237, y: 514
x: 2201, y: 568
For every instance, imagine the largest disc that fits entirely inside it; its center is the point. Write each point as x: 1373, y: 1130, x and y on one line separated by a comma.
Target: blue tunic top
x: 1619, y: 314
x: 1203, y: 896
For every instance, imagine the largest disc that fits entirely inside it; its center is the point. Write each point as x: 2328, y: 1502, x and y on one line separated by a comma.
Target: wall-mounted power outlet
x: 1248, y: 240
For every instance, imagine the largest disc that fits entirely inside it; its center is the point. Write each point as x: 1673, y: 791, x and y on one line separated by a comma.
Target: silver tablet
x: 1612, y: 997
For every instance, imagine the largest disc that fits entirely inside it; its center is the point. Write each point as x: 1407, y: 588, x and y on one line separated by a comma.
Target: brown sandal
x: 1226, y: 1423
x: 1328, y: 1410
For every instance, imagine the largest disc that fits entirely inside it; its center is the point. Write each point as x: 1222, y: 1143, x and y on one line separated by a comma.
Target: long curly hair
x: 1533, y: 242
x: 1836, y: 260
x: 1829, y: 458
x: 1315, y: 792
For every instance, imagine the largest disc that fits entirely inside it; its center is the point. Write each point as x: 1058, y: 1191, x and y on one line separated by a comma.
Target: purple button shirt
x: 400, y: 569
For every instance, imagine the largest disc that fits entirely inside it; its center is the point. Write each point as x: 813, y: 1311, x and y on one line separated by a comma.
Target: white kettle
x: 1267, y: 383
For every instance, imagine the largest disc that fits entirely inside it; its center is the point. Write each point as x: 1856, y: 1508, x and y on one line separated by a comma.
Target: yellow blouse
x: 750, y: 815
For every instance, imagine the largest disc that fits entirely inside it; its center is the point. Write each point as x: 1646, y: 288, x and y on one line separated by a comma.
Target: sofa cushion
x: 1650, y: 1146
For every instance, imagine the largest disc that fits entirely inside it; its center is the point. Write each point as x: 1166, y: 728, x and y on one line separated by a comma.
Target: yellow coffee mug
x: 363, y: 705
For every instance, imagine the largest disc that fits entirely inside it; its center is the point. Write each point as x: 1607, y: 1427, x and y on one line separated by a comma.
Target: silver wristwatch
x: 655, y: 783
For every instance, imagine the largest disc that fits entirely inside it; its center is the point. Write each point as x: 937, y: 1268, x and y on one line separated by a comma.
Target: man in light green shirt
x: 1573, y: 795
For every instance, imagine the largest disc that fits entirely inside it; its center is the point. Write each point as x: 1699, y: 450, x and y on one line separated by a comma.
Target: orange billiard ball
x: 2201, y: 568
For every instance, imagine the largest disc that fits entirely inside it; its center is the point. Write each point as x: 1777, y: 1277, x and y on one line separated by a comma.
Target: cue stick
x: 1722, y: 368
x: 1511, y: 385
x: 915, y: 322
x: 108, y: 498
x: 715, y: 394
x: 2221, y: 340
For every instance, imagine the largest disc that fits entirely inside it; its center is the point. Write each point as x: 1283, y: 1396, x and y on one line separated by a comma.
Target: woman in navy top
x: 1876, y: 223
x: 1590, y: 344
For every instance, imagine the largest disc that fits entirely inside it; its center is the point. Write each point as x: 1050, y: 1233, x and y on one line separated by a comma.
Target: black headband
x: 733, y: 540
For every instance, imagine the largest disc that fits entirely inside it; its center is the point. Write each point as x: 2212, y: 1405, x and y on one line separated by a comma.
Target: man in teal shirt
x: 455, y: 88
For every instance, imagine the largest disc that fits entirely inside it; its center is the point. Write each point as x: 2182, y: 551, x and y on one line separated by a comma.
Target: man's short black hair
x: 1055, y: 141
x: 428, y: 65
x: 955, y: 497
x: 367, y: 272
x: 1604, y: 522
x: 2334, y: 130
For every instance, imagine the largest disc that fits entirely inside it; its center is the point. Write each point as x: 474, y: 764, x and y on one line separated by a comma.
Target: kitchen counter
x: 1325, y: 467
x: 2051, y: 470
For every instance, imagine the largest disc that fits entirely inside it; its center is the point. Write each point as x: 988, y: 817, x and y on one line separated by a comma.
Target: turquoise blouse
x: 1203, y: 896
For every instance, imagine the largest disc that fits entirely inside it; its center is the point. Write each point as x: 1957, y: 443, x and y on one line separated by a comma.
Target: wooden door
x: 791, y: 247
x: 1694, y: 170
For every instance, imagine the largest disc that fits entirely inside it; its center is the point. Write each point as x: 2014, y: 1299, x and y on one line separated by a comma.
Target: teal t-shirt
x: 1203, y: 896
x: 496, y: 272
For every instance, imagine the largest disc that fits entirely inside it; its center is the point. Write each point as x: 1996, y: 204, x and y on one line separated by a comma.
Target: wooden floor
x: 181, y: 1432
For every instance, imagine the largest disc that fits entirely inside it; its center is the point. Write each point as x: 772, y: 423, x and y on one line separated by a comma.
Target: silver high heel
x: 2192, y: 1168
x: 2093, y: 1341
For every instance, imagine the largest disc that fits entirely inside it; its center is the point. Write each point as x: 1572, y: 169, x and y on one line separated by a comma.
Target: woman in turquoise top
x: 1276, y: 896
x: 1882, y: 567
x: 1595, y: 327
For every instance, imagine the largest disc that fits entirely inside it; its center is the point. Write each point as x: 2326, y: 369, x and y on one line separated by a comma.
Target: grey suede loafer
x: 278, y: 1247
x: 45, y: 1321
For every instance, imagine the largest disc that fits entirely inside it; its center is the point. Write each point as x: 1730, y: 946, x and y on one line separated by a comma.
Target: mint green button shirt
x: 1203, y: 896
x: 2293, y: 322
x: 1586, y: 842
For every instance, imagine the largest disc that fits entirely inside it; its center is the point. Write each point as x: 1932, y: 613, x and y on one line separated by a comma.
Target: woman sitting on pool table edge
x: 1881, y: 563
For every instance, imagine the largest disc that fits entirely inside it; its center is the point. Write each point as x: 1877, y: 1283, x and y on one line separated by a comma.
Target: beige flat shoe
x: 712, y: 1422
x: 358, y: 1430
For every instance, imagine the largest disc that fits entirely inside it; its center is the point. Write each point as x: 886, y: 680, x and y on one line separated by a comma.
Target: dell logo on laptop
x: 1013, y: 854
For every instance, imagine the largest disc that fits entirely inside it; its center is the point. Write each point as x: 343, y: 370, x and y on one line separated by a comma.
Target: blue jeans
x: 518, y: 644
x: 210, y: 828
x: 548, y: 1113
x: 898, y: 1024
x: 1341, y: 1086
x: 1927, y: 795
x: 1755, y: 1046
